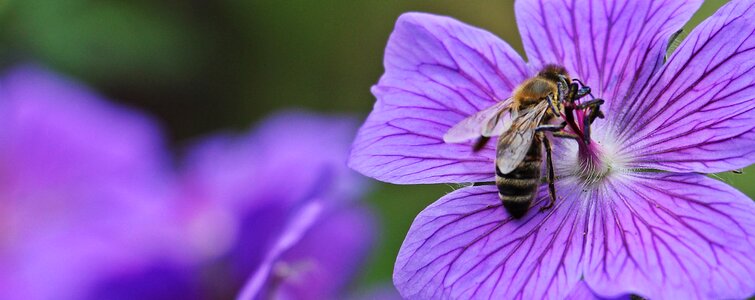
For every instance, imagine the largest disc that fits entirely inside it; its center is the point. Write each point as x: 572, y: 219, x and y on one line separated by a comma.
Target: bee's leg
x: 480, y: 143
x: 594, y: 103
x: 550, y: 127
x: 595, y: 112
x: 557, y: 130
x: 551, y: 175
x: 567, y: 135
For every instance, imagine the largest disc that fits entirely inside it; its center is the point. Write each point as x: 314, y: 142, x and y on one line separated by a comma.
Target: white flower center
x: 591, y: 163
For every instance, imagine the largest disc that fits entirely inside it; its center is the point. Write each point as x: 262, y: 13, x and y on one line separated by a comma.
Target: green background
x: 201, y: 66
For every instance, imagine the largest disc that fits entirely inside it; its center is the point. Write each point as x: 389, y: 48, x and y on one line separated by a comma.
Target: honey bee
x: 521, y: 122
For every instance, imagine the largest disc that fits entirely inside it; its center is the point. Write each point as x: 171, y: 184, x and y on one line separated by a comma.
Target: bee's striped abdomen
x: 517, y: 188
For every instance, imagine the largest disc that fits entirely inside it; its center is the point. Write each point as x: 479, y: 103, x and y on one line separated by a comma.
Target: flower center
x: 594, y: 161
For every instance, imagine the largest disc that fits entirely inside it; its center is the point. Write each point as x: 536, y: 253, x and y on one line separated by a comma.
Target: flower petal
x: 438, y: 71
x: 158, y: 281
x: 583, y: 292
x: 287, y: 149
x: 614, y: 46
x: 301, y: 266
x: 298, y: 225
x: 698, y: 112
x: 85, y: 187
x: 329, y: 255
x: 672, y: 236
x: 465, y: 246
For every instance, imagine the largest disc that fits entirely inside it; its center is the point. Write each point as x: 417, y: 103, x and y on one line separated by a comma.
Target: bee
x: 521, y: 122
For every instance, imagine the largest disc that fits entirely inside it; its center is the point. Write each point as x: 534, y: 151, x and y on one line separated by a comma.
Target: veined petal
x: 613, y: 45
x: 438, y: 71
x: 698, y: 113
x: 672, y: 236
x: 465, y: 246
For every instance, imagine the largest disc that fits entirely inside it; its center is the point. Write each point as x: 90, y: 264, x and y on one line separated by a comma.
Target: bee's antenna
x: 579, y: 81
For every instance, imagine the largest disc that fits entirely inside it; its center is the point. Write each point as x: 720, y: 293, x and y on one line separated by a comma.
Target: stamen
x: 592, y: 162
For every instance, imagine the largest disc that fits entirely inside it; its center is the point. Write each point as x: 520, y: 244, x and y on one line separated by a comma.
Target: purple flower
x: 634, y: 215
x: 301, y: 233
x: 277, y: 205
x: 83, y: 187
x: 91, y: 210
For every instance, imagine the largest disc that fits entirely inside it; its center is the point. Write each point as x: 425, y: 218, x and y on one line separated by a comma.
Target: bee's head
x: 554, y: 73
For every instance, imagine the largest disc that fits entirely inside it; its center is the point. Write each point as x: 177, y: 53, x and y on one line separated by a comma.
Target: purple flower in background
x: 633, y: 214
x: 91, y: 210
x: 302, y: 232
x: 278, y: 205
x: 83, y: 185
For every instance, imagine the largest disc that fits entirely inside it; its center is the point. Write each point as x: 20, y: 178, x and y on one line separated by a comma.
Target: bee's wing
x: 491, y: 121
x: 514, y: 143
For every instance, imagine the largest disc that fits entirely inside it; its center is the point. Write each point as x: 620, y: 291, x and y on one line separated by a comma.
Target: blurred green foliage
x: 201, y: 66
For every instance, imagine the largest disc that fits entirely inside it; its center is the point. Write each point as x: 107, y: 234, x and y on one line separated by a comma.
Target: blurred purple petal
x: 262, y: 203
x: 465, y: 246
x: 697, y: 113
x: 672, y: 236
x: 316, y: 255
x: 161, y: 281
x: 614, y: 46
x: 291, y: 150
x: 299, y: 224
x: 438, y: 71
x: 257, y: 179
x: 327, y: 257
x: 265, y: 182
x: 84, y: 187
x: 90, y: 209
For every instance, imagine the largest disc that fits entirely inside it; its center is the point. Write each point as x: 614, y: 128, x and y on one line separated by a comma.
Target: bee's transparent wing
x: 515, y: 142
x: 491, y: 121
